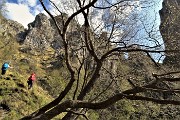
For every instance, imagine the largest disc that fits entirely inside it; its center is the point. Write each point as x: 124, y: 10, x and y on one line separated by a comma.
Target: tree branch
x: 100, y: 105
x: 78, y: 114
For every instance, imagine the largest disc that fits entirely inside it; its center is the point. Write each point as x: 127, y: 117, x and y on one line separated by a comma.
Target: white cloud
x: 38, y: 9
x: 25, y: 11
x: 20, y: 13
x: 30, y: 3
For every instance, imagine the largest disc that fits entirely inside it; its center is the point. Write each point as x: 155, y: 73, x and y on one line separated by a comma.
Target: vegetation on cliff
x: 82, y: 71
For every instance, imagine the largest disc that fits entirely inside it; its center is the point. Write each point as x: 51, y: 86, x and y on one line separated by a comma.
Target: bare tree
x: 94, y: 53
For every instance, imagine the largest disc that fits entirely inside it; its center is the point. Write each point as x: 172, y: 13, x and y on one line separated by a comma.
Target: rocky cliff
x: 39, y: 36
x: 170, y: 30
x: 41, y: 41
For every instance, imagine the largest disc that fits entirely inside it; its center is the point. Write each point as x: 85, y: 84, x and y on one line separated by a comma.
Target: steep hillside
x: 27, y: 53
x: 38, y: 49
x: 13, y: 85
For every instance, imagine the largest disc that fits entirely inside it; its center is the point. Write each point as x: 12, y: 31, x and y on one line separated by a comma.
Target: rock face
x: 40, y: 34
x: 10, y: 27
x: 170, y: 30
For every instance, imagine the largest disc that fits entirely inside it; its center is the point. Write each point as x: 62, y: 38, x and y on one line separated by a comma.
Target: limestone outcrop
x: 40, y: 35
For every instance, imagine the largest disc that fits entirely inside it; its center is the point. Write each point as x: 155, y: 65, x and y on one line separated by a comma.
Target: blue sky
x: 23, y: 11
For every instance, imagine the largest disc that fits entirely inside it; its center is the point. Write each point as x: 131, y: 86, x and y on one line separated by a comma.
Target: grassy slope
x: 13, y: 85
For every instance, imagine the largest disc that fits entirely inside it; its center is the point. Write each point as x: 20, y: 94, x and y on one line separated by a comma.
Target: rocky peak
x: 40, y: 35
x: 40, y: 20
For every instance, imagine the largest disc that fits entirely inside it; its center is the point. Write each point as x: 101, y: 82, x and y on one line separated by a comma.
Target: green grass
x: 14, y: 91
x: 21, y: 100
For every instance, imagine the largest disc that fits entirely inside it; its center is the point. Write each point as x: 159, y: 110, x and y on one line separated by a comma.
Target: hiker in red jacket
x: 31, y: 79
